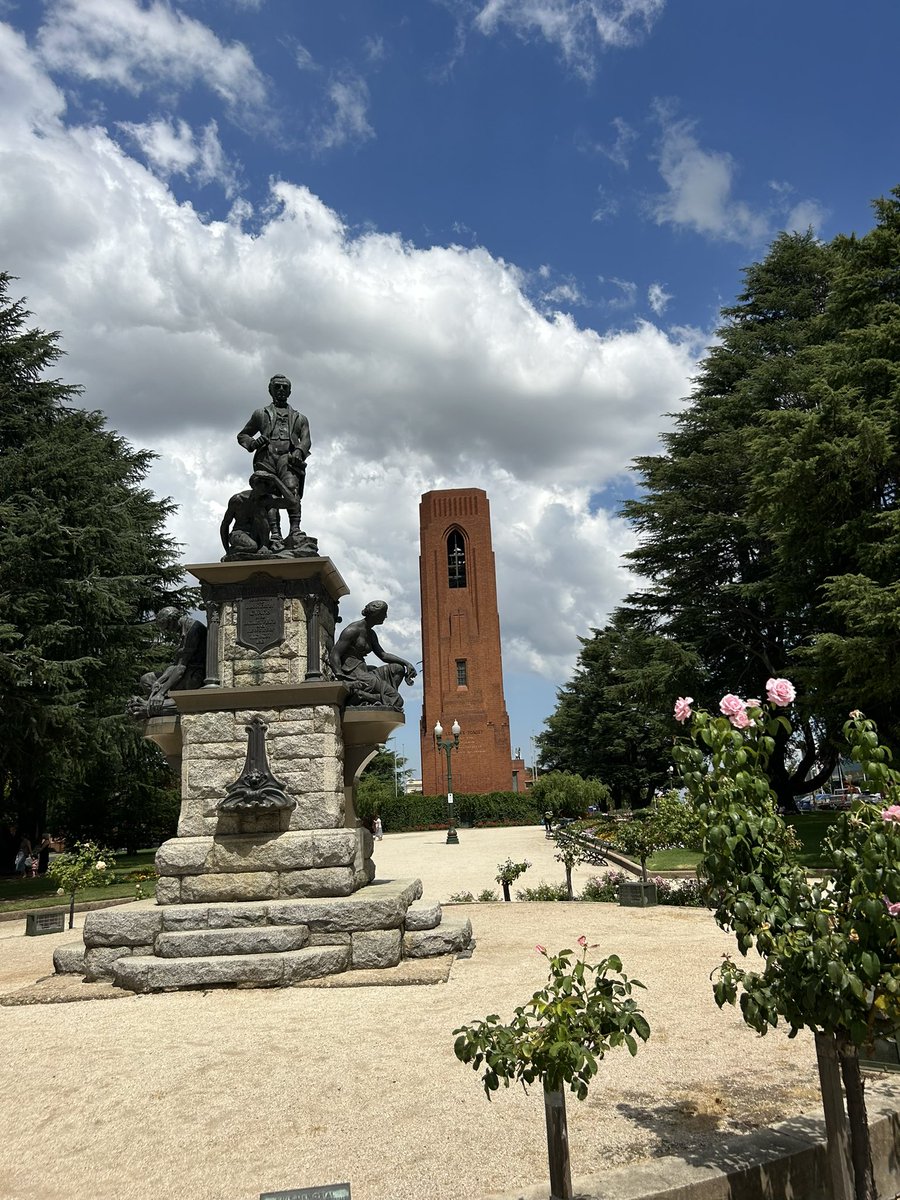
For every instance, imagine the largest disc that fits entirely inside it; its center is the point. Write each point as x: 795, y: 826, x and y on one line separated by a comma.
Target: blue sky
x: 487, y: 240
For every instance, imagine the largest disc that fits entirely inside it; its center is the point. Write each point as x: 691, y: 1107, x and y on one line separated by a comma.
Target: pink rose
x: 754, y: 704
x: 582, y: 941
x: 780, y: 692
x: 541, y: 949
x: 893, y: 909
x: 855, y: 714
x: 740, y: 720
x: 683, y: 708
x: 892, y: 813
x: 730, y: 706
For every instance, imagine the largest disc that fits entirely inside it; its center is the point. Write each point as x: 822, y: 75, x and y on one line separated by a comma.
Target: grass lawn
x: 673, y: 860
x: 809, y: 827
x: 16, y: 894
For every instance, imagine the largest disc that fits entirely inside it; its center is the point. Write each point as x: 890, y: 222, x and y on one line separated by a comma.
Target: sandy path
x: 225, y: 1094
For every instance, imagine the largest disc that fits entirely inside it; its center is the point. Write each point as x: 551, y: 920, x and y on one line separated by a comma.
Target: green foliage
x: 567, y: 795
x: 769, y: 528
x: 562, y: 1033
x: 487, y: 895
x: 678, y: 820
x: 544, y: 891
x: 86, y: 865
x: 84, y: 557
x: 405, y: 813
x: 611, y: 720
x: 830, y: 949
x: 508, y: 872
x: 461, y: 898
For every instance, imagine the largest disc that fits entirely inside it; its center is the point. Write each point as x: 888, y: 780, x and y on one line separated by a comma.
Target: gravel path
x: 221, y: 1095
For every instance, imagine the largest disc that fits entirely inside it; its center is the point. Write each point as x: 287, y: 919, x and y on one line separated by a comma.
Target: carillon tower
x: 463, y: 674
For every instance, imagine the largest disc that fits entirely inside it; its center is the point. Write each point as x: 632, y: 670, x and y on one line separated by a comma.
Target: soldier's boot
x: 295, y: 535
x: 275, y: 542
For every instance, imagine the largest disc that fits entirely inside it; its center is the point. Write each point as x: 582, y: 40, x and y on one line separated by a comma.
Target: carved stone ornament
x: 256, y: 790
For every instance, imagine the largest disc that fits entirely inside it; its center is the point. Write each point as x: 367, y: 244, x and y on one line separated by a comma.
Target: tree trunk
x: 72, y: 912
x: 571, y: 894
x: 860, y: 1146
x: 840, y: 1169
x: 505, y: 887
x: 558, y: 1144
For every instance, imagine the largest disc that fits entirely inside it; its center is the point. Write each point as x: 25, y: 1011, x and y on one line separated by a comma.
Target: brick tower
x: 463, y: 676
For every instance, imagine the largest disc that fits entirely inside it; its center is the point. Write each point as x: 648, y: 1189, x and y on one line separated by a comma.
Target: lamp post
x: 448, y: 747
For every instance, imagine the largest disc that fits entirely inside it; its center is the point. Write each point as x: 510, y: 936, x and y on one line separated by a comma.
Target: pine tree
x: 84, y: 559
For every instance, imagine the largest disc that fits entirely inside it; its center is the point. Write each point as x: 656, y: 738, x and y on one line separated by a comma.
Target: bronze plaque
x: 260, y: 622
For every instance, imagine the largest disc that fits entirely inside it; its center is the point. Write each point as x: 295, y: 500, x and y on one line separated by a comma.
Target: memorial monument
x: 269, y: 721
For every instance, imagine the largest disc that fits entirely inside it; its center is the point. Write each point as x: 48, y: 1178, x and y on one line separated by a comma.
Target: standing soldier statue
x: 278, y: 437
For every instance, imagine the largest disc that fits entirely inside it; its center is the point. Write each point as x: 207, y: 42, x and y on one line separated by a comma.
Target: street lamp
x: 448, y: 747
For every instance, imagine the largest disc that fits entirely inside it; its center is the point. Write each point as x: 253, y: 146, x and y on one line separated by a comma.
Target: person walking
x: 378, y: 828
x: 24, y: 860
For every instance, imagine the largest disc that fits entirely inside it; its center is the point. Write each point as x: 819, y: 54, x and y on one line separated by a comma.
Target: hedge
x: 402, y: 814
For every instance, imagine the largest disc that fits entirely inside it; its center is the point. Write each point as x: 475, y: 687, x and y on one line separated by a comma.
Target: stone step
x: 200, y: 943
x: 450, y: 937
x: 149, y: 973
x: 423, y: 915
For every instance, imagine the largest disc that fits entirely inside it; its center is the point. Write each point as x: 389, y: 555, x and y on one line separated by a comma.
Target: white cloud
x: 347, y: 120
x: 807, y: 214
x: 700, y: 185
x: 699, y: 192
x: 617, y: 152
x: 418, y: 369
x: 658, y: 298
x: 173, y: 149
x: 627, y: 294
x: 607, y: 206
x: 121, y: 43
x: 577, y: 28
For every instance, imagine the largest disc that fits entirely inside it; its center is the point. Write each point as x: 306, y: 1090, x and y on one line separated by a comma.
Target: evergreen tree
x: 769, y: 525
x: 84, y: 560
x: 612, y: 718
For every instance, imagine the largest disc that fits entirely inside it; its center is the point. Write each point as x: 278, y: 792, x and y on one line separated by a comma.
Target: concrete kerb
x: 787, y: 1159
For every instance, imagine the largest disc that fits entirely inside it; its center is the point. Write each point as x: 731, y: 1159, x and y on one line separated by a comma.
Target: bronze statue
x: 186, y: 672
x: 249, y: 517
x: 378, y: 686
x: 278, y: 437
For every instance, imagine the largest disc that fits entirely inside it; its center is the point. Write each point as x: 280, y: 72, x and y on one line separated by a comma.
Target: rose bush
x: 830, y: 952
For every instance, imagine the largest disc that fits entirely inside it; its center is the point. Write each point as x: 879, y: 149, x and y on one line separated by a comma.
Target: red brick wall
x: 462, y: 624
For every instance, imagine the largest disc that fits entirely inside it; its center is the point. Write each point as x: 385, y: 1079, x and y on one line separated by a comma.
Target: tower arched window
x: 456, y: 560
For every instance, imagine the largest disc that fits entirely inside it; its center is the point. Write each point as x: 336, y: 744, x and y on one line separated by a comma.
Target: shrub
x: 487, y: 895
x: 544, y: 891
x: 604, y: 887
x: 461, y: 898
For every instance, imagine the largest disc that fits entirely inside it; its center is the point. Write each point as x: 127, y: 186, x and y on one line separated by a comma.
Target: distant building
x: 462, y: 669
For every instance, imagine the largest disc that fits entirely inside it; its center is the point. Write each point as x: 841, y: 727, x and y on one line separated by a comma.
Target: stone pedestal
x: 267, y: 891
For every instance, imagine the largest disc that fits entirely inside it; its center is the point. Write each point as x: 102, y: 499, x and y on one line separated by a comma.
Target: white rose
x: 60, y: 892
x: 101, y: 865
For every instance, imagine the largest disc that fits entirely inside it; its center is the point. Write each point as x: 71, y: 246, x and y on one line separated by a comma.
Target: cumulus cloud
x: 418, y: 368
x: 700, y: 197
x: 347, y: 119
x: 123, y: 44
x: 699, y: 183
x: 658, y: 298
x: 807, y: 214
x: 172, y: 148
x: 578, y: 29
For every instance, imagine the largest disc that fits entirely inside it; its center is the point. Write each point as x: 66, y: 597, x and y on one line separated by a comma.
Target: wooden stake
x: 558, y: 1145
x: 838, y: 1148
